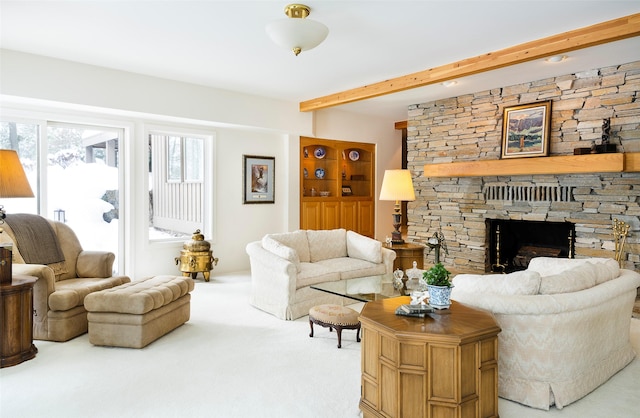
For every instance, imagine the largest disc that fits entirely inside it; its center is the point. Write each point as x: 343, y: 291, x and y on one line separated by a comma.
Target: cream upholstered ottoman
x: 138, y: 313
x: 335, y: 317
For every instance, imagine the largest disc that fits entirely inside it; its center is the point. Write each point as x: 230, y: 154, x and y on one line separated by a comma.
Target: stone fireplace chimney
x: 468, y: 128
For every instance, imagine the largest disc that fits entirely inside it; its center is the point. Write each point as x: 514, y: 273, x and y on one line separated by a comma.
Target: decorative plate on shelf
x: 306, y: 173
x: 354, y: 155
x: 320, y: 173
x: 320, y: 152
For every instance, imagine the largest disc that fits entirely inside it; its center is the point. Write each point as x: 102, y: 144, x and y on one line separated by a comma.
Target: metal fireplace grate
x: 511, y: 244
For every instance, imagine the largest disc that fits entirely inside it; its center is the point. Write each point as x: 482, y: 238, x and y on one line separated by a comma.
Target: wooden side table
x: 406, y: 254
x: 16, y: 328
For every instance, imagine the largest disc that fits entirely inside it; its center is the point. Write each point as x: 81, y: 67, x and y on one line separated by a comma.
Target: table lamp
x: 13, y: 183
x: 397, y: 185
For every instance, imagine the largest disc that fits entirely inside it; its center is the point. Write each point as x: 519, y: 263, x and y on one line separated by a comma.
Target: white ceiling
x: 223, y: 44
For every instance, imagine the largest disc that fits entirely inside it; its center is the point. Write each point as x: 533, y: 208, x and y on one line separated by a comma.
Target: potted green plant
x: 439, y: 286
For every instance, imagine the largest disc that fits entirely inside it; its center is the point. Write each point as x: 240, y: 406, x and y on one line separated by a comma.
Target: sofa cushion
x: 516, y: 283
x: 281, y: 250
x: 349, y: 268
x: 71, y: 292
x: 578, y: 278
x: 314, y: 273
x: 296, y: 240
x: 364, y: 248
x: 547, y: 266
x: 326, y: 244
x: 606, y: 271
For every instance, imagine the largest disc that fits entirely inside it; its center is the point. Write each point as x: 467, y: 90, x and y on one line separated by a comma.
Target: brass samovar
x: 196, y: 257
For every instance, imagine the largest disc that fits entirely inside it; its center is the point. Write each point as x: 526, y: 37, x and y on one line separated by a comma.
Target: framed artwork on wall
x: 525, y: 130
x: 259, y: 179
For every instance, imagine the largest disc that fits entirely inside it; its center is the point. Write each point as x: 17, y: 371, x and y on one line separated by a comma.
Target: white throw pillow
x: 572, y: 280
x: 296, y: 240
x: 547, y: 266
x: 281, y: 250
x: 517, y: 283
x: 606, y: 271
x: 326, y: 244
x: 364, y: 248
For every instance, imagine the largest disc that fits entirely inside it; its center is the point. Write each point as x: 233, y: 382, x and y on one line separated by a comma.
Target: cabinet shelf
x: 561, y: 164
x: 340, y: 160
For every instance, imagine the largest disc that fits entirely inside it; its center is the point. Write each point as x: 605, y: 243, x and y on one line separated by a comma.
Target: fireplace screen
x: 512, y: 244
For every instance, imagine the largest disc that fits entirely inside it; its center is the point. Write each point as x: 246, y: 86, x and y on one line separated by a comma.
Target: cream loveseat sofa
x: 59, y: 292
x: 285, y: 265
x: 565, y: 326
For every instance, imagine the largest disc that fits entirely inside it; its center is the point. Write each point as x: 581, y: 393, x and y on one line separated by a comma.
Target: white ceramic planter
x: 439, y: 296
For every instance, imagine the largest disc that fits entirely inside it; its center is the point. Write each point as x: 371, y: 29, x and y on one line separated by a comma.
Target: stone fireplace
x: 468, y: 129
x: 511, y: 244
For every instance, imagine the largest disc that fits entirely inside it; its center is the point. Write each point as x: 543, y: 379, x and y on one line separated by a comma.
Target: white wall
x: 235, y: 224
x: 242, y: 124
x: 33, y: 76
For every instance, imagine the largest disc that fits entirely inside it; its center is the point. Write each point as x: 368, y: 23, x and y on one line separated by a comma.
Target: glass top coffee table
x: 364, y: 289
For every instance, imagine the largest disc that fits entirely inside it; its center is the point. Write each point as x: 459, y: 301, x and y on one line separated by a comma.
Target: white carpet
x: 231, y: 360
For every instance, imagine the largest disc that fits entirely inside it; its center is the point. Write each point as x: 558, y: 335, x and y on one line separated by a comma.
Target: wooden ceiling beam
x: 601, y: 33
x: 402, y: 124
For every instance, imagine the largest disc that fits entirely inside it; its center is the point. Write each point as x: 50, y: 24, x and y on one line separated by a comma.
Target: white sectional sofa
x: 565, y: 326
x: 285, y: 265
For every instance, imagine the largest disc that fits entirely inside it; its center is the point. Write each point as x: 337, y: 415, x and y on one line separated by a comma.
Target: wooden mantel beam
x: 601, y: 33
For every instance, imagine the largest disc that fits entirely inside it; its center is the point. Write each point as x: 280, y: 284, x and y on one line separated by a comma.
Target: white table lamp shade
x: 397, y: 186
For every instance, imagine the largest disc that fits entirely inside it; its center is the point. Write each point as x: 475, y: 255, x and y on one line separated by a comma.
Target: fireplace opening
x: 511, y: 244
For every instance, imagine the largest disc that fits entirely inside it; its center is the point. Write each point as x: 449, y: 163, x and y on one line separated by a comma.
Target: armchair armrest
x: 45, y: 286
x: 98, y: 264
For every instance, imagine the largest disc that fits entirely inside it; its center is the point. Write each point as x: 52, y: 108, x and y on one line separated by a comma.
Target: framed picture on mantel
x: 525, y: 130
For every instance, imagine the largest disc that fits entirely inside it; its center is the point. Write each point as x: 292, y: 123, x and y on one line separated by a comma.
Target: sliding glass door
x: 73, y: 170
x: 83, y: 182
x: 24, y: 138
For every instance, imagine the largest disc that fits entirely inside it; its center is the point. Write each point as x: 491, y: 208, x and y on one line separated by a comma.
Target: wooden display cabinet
x: 337, y: 181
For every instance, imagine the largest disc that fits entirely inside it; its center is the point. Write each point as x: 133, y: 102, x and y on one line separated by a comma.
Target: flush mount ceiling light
x: 449, y: 83
x: 297, y: 33
x: 556, y: 58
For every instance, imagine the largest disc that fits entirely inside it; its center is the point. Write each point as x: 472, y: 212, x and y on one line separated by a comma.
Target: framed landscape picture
x: 259, y: 179
x: 525, y: 130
